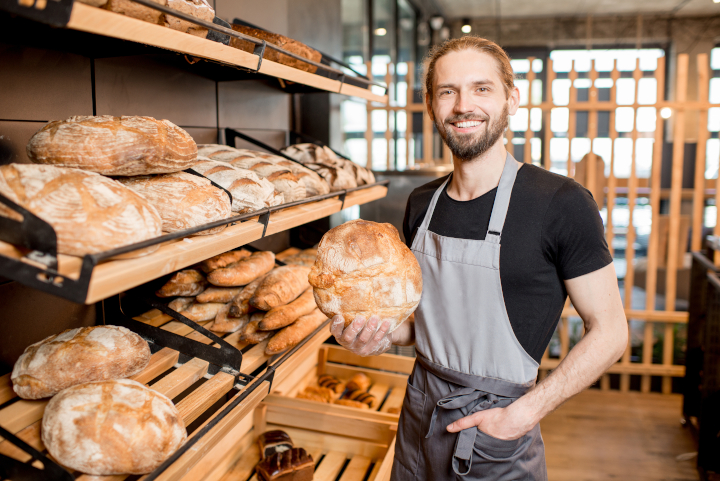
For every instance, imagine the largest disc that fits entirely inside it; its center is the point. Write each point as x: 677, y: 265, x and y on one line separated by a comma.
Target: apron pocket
x: 497, y: 448
x: 407, y: 447
x: 498, y: 459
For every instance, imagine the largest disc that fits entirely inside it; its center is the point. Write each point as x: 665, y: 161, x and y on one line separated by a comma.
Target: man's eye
x: 482, y: 89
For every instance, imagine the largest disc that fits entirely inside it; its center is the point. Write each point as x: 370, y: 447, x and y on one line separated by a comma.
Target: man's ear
x: 428, y: 106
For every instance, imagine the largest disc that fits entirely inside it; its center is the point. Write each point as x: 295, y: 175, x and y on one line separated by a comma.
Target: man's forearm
x: 599, y: 349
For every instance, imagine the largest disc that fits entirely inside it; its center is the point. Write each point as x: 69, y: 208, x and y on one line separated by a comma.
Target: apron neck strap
x: 502, y: 199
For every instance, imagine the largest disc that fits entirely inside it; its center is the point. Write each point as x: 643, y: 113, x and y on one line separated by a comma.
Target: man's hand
x: 502, y: 423
x: 362, y: 338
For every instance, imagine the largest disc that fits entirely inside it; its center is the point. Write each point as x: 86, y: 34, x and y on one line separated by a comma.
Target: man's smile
x: 466, y: 126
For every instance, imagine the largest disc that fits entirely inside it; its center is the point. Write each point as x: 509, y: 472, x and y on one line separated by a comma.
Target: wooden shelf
x: 109, y: 24
x: 115, y: 276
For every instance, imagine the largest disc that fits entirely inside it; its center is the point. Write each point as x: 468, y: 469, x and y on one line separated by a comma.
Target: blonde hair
x: 469, y: 42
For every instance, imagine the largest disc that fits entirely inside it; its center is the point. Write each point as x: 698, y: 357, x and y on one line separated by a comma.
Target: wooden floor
x: 621, y: 436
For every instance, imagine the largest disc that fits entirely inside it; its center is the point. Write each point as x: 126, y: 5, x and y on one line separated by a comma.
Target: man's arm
x: 597, y: 299
x: 366, y: 339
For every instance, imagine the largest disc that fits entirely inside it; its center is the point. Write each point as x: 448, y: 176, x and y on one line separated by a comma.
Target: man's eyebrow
x: 476, y: 83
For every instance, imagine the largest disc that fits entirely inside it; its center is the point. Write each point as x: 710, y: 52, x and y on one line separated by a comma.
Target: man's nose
x: 463, y: 104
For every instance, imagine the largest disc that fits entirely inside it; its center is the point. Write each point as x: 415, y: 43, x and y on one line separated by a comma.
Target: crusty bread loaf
x: 364, y: 269
x: 336, y: 177
x: 111, y: 427
x: 302, y: 258
x: 315, y: 154
x: 251, y: 334
x: 241, y: 302
x: 223, y: 260
x: 188, y: 282
x: 202, y: 312
x: 114, y: 145
x: 281, y: 286
x: 183, y: 200
x: 243, y: 271
x: 281, y: 41
x: 282, y: 178
x: 218, y: 294
x: 285, y: 315
x: 225, y: 323
x: 90, y: 213
x: 197, y: 8
x: 77, y: 356
x: 179, y: 304
x: 135, y: 10
x: 313, y: 183
x: 290, y: 336
x: 250, y: 192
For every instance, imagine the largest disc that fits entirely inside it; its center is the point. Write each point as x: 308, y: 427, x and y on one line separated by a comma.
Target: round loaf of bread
x: 78, y: 356
x: 114, y: 145
x: 90, y: 213
x: 364, y: 269
x: 111, y: 427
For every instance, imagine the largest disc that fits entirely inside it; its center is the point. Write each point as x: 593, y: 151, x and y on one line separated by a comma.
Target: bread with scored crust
x: 76, y: 356
x: 281, y: 286
x: 112, y: 427
x: 364, y: 269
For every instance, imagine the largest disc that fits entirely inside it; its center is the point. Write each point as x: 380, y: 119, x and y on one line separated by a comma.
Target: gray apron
x: 468, y: 360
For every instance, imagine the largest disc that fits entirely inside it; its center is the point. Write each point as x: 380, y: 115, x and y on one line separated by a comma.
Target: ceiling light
x: 666, y: 112
x: 380, y: 32
x: 716, y: 1
x: 467, y: 28
x: 436, y: 22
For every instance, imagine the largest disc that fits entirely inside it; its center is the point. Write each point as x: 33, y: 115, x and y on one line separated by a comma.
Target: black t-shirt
x: 553, y: 231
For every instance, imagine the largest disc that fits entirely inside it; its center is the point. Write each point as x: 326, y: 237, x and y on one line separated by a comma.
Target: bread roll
x: 223, y: 260
x: 285, y: 315
x: 90, y: 213
x: 114, y: 145
x: 241, y: 302
x: 181, y: 303
x: 290, y: 336
x: 281, y: 41
x: 281, y: 286
x: 364, y: 269
x: 315, y: 393
x: 77, y: 356
x: 225, y: 323
x: 359, y: 382
x: 183, y: 200
x: 203, y: 312
x: 244, y: 271
x: 218, y: 294
x: 185, y: 283
x: 250, y: 192
x: 197, y: 8
x: 111, y: 427
x: 251, y: 334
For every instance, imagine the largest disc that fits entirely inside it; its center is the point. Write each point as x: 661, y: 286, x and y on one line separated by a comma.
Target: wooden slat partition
x: 655, y: 322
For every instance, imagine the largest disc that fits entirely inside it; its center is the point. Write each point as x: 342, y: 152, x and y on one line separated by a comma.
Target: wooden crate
x: 388, y: 372
x: 178, y: 381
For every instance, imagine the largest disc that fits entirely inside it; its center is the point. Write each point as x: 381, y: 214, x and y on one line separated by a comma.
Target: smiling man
x: 501, y: 246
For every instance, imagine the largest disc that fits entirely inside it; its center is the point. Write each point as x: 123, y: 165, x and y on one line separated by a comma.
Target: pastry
x: 271, y: 442
x: 359, y: 382
x: 295, y: 464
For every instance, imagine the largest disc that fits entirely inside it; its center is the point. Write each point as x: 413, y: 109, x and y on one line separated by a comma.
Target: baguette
x: 185, y: 283
x: 223, y: 260
x: 244, y: 271
x: 224, y: 323
x: 241, y: 302
x: 251, y: 334
x: 285, y: 315
x: 203, y: 312
x: 291, y: 336
x: 281, y: 286
x: 218, y: 294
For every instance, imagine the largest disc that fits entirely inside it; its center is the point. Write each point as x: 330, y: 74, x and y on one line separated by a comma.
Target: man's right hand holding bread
x: 372, y: 338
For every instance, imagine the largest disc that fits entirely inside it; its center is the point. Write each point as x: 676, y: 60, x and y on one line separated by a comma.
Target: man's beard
x: 467, y: 147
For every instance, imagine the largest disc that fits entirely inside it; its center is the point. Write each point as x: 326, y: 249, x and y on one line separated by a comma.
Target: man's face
x: 469, y: 105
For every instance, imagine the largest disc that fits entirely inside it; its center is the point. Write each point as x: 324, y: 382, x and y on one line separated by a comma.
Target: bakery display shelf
x: 211, y: 402
x: 98, y: 276
x: 97, y: 21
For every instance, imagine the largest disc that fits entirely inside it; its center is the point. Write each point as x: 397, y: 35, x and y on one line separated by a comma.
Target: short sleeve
x: 573, y: 232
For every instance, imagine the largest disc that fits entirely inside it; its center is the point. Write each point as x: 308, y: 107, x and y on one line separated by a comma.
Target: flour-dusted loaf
x: 183, y: 200
x: 77, y: 356
x: 364, y: 269
x: 90, y: 213
x: 250, y: 192
x: 281, y: 286
x: 114, y: 145
x: 336, y: 177
x: 281, y: 41
x: 185, y: 283
x: 197, y: 8
x: 267, y: 168
x: 112, y: 427
x: 311, y: 154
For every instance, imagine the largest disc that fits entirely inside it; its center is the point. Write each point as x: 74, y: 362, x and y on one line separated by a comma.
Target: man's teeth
x: 468, y: 124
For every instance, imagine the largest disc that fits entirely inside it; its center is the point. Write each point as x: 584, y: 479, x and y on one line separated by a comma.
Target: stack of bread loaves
x: 338, y: 172
x: 246, y: 292
x: 98, y: 422
x: 197, y: 8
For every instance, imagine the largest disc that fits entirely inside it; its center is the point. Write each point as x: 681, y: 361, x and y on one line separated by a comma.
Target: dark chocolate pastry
x: 361, y: 396
x: 330, y: 382
x: 291, y: 465
x: 272, y: 442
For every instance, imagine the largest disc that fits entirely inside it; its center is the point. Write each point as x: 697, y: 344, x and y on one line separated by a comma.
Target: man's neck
x: 472, y: 179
